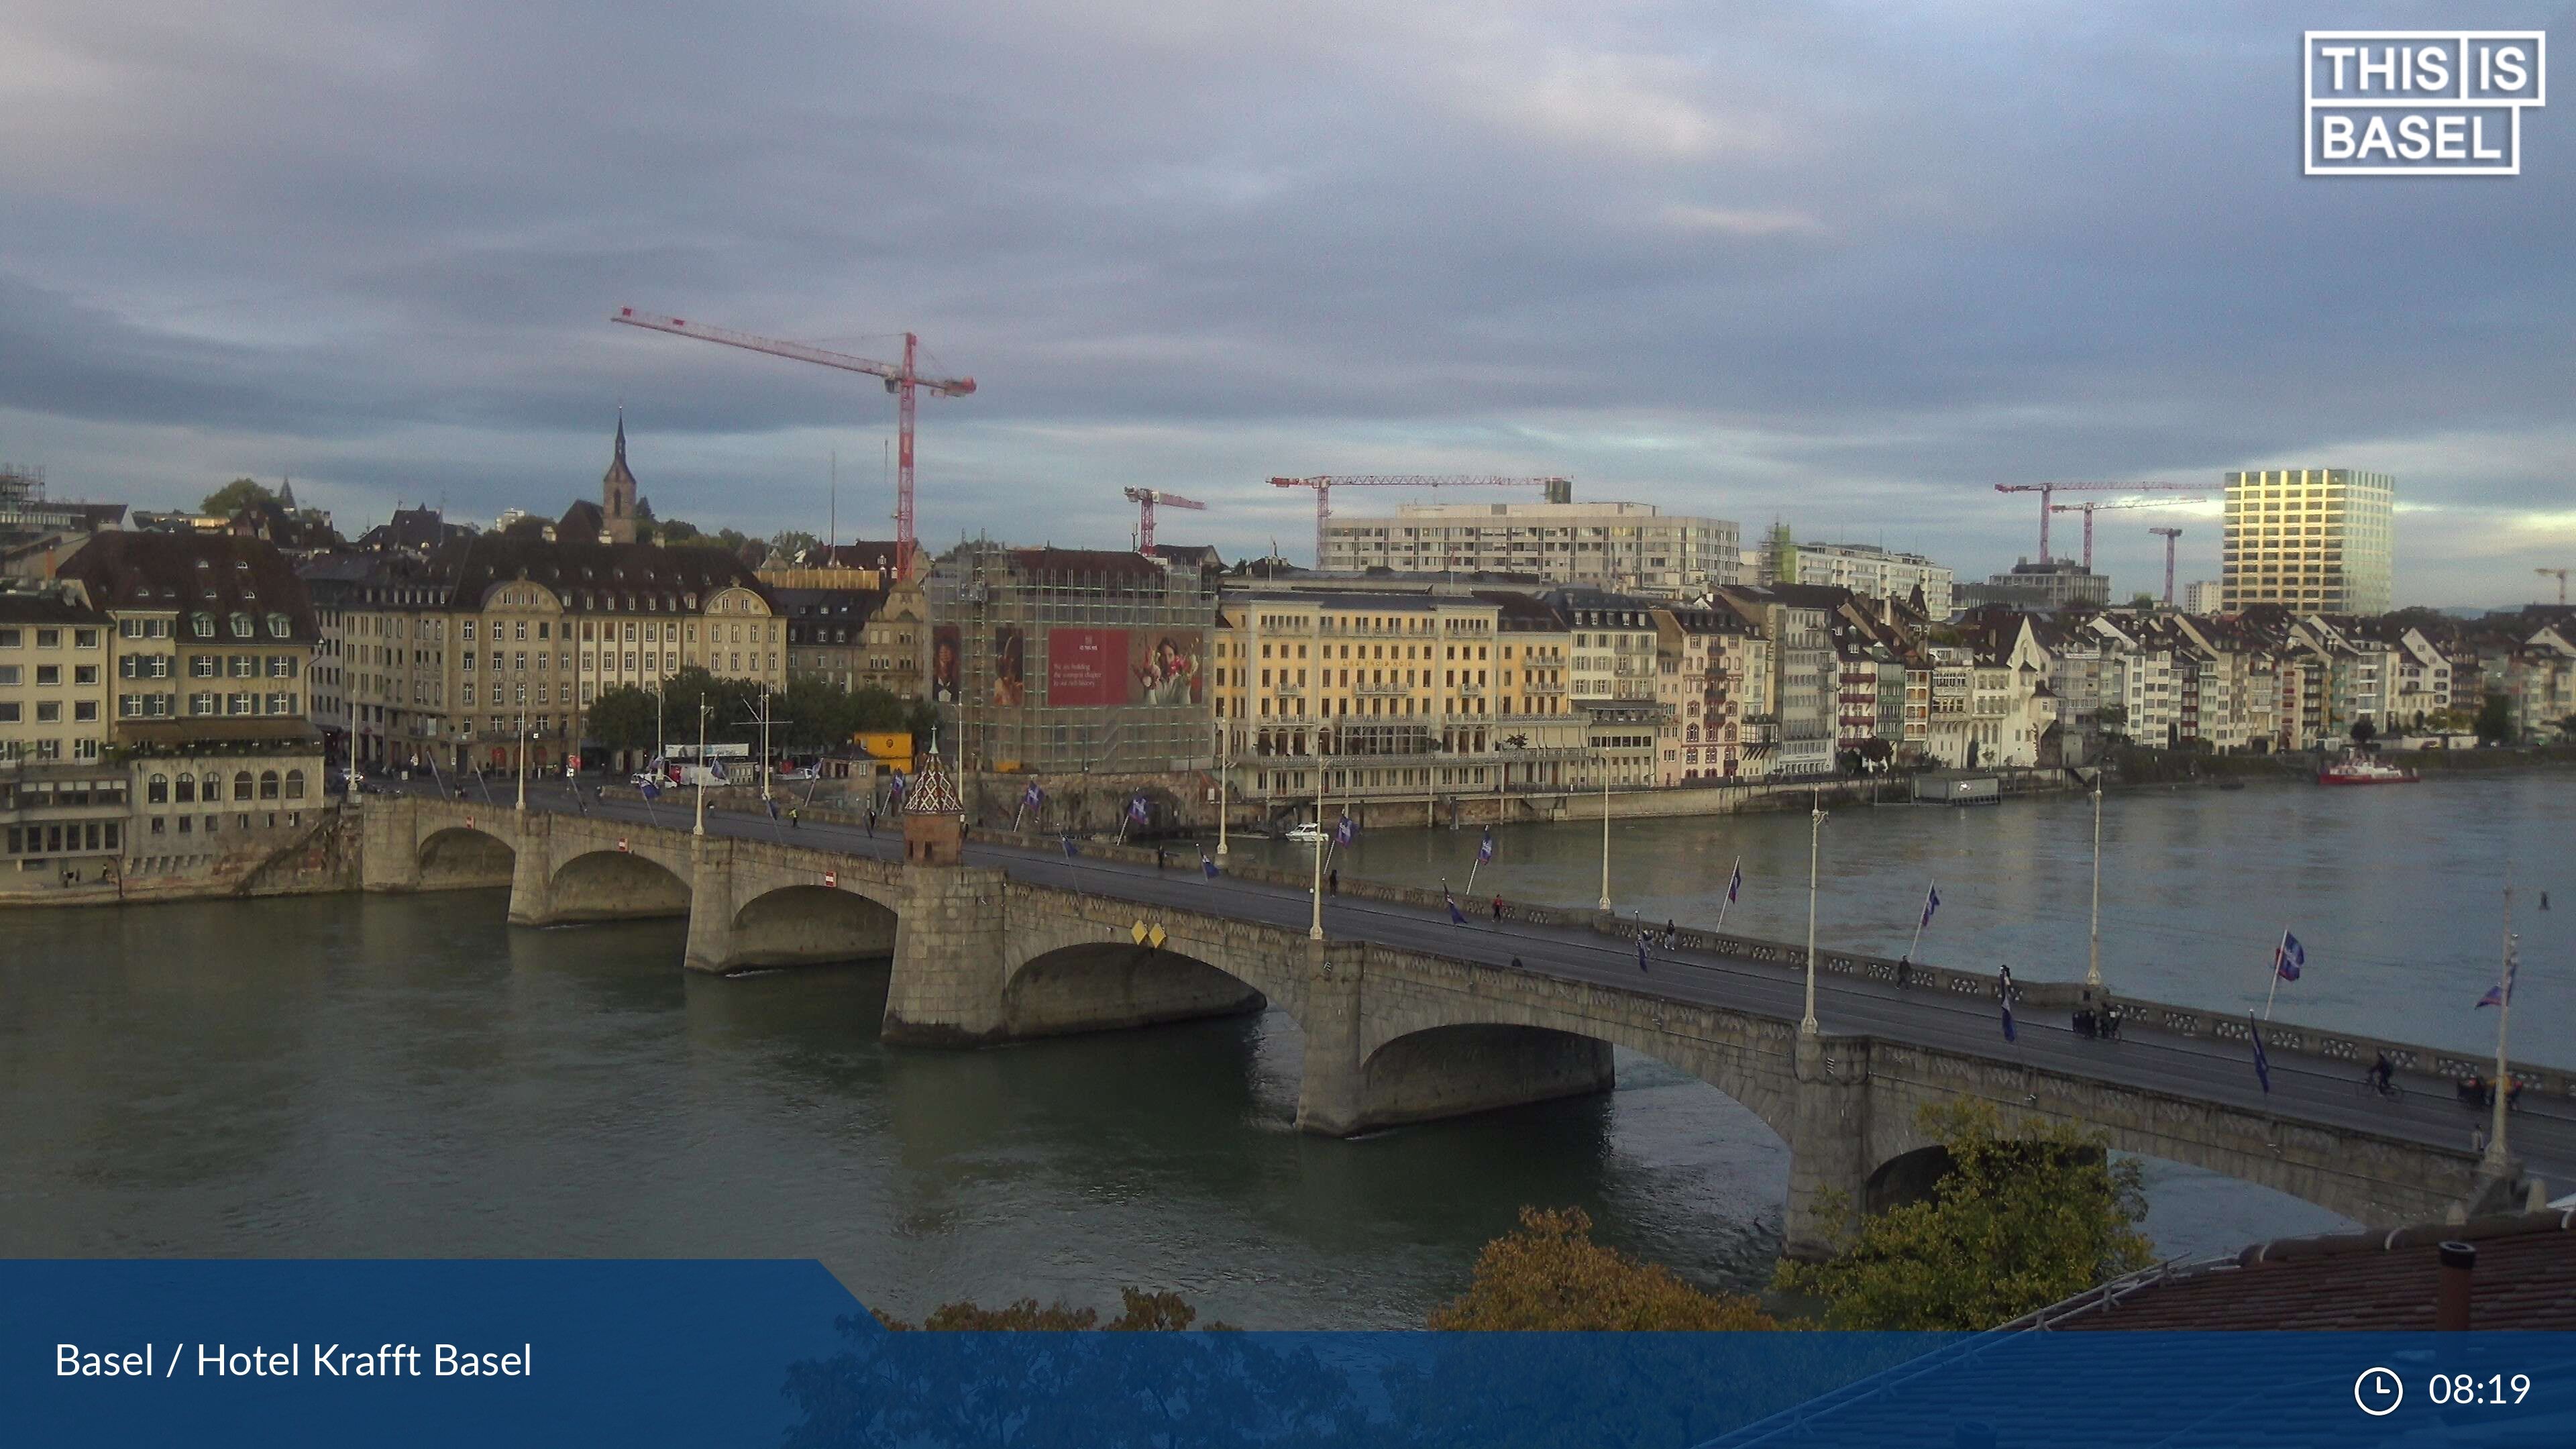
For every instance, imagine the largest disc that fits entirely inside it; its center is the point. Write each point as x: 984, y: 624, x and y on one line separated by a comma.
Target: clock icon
x: 2378, y: 1391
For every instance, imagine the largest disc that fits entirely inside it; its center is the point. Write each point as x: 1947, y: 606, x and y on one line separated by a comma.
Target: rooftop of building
x: 55, y: 604
x: 590, y: 575
x: 215, y: 573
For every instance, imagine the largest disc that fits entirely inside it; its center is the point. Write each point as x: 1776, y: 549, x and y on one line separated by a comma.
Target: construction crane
x: 2170, y: 534
x: 2086, y: 508
x: 1556, y: 490
x: 2048, y: 491
x: 1145, y: 499
x: 902, y: 379
x: 2562, y: 581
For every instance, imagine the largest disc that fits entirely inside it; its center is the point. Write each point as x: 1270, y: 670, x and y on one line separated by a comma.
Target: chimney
x: 2451, y: 1307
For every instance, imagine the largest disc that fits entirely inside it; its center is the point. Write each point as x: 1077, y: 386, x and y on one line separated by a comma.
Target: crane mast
x: 1145, y: 499
x: 2048, y: 491
x: 904, y: 379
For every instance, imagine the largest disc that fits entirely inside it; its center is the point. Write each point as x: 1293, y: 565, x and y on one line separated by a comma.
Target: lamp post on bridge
x: 1315, y: 931
x: 700, y: 828
x: 2093, y: 967
x: 523, y: 756
x: 1224, y: 767
x: 1807, y: 1025
x: 1604, y: 763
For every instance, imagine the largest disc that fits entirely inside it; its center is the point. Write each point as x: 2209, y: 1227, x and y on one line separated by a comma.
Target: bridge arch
x: 1099, y: 985
x: 1498, y: 1052
x: 806, y: 922
x: 604, y: 885
x: 459, y: 855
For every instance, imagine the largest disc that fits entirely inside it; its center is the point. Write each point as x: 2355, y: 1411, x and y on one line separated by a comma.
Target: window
x: 9, y: 711
x: 8, y: 674
x: 241, y: 785
x: 49, y: 711
x: 245, y: 666
x: 214, y: 789
x: 240, y: 625
x: 49, y: 674
x: 279, y: 627
x: 295, y: 784
x: 268, y: 782
x: 84, y: 710
x: 204, y: 666
x: 49, y: 638
x: 156, y: 791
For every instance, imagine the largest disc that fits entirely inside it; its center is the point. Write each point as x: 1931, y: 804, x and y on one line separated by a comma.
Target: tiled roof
x: 611, y: 577
x: 2525, y: 1279
x: 216, y: 573
x: 45, y: 608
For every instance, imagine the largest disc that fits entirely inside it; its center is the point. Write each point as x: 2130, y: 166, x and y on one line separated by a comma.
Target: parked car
x: 801, y: 773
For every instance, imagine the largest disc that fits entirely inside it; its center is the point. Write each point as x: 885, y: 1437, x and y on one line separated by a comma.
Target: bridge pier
x: 711, y: 904
x: 532, y: 871
x: 1829, y: 1144
x: 389, y: 843
x: 1332, y: 1091
x: 949, y: 958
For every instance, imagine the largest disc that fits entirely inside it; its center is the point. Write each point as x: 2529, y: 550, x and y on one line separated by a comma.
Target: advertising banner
x: 947, y: 664
x: 1086, y: 668
x: 1010, y: 667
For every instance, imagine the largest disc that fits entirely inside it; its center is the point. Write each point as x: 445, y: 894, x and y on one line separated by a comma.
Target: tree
x: 2363, y: 732
x: 2027, y: 1215
x: 787, y: 543
x: 1549, y: 1275
x: 622, y: 718
x: 2142, y: 600
x: 2495, y: 720
x: 235, y: 496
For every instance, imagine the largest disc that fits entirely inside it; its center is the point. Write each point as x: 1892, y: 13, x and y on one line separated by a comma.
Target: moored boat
x: 2356, y: 768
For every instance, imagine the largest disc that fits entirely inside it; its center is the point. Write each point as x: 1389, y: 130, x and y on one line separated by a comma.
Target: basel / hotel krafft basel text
x: 2420, y: 102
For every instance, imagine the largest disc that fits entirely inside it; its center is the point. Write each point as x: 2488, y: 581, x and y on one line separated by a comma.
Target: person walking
x: 1333, y: 881
x: 1498, y: 907
x: 1158, y: 858
x: 795, y: 820
x: 872, y: 822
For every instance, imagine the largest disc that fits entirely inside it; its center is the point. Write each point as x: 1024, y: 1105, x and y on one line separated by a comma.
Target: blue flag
x: 773, y: 810
x: 2502, y: 993
x: 2262, y: 1064
x: 900, y: 785
x: 1931, y: 903
x: 1070, y: 849
x: 2009, y: 1033
x: 1034, y: 796
x: 1641, y: 953
x: 1485, y: 847
x: 2288, y: 957
x: 1734, y: 883
x: 1136, y: 810
x: 1346, y: 831
x: 1456, y: 917
x: 652, y: 791
x: 1207, y: 865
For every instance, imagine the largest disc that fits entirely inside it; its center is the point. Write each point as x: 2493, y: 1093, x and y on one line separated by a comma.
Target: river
x: 409, y: 1076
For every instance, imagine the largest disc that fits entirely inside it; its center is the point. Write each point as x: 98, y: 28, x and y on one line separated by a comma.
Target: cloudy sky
x: 1847, y: 266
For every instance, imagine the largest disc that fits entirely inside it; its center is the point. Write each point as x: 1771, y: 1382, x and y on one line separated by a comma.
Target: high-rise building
x: 2204, y: 597
x: 2316, y: 540
x: 2059, y: 583
x: 1632, y: 547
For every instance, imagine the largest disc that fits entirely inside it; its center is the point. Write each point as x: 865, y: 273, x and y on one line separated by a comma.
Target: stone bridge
x: 1392, y: 1034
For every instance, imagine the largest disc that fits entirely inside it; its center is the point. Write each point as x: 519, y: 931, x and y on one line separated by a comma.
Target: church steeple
x: 617, y: 490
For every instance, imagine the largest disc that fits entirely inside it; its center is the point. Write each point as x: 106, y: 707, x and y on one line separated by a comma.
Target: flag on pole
x: 1033, y: 797
x: 2009, y: 1033
x: 773, y: 810
x: 900, y: 785
x: 1931, y: 903
x: 652, y: 791
x: 1641, y: 953
x: 2288, y: 957
x: 2262, y: 1063
x: 2501, y: 993
x: 1456, y: 916
x: 1485, y: 847
x: 1070, y: 849
x: 1207, y: 866
x: 1136, y: 810
x: 1346, y: 831
x: 1735, y: 882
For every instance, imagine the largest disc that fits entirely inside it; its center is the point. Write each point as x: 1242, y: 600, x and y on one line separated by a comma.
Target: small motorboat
x: 1306, y: 834
x: 2356, y: 768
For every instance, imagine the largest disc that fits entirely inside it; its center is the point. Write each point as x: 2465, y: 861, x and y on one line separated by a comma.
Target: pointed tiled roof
x: 617, y: 470
x: 931, y: 793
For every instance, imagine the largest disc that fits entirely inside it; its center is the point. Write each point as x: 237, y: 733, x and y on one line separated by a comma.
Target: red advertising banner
x: 1086, y: 667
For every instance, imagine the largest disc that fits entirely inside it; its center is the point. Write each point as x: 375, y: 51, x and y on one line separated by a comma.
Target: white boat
x: 1305, y: 834
x: 2356, y: 768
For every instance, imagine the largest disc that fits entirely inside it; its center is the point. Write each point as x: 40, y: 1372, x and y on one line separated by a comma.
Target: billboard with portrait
x: 1010, y: 667
x: 947, y: 664
x: 1109, y: 668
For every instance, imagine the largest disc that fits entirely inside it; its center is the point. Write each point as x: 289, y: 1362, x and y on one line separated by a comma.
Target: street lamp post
x: 700, y: 828
x: 1815, y: 840
x: 1315, y: 931
x: 2496, y: 1160
x: 1224, y: 767
x: 523, y: 758
x: 1604, y: 767
x: 2093, y: 967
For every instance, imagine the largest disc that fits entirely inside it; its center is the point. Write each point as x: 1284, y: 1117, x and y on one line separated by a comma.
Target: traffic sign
x: 1137, y: 931
x: 831, y: 878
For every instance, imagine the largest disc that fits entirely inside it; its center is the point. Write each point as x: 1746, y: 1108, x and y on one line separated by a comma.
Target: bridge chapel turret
x: 617, y: 491
x: 934, y: 824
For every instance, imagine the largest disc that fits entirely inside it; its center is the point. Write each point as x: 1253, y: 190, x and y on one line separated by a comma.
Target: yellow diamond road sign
x: 1137, y: 931
x: 1158, y: 938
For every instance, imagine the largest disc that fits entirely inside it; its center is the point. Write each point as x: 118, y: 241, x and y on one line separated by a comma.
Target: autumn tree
x: 2029, y: 1214
x: 1549, y: 1275
x: 235, y: 496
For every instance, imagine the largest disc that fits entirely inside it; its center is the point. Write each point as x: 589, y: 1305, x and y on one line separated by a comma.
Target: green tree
x: 622, y: 718
x: 2029, y: 1214
x: 787, y: 543
x: 2495, y: 719
x: 1549, y: 1275
x: 2363, y: 732
x: 235, y: 496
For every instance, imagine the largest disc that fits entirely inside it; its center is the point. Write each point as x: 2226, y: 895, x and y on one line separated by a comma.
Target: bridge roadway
x: 2306, y: 1092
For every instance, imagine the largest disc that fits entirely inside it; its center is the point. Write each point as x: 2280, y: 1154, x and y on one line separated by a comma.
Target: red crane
x: 2086, y: 508
x: 1145, y: 499
x: 901, y: 378
x: 1558, y: 490
x: 2170, y: 534
x: 2047, y: 491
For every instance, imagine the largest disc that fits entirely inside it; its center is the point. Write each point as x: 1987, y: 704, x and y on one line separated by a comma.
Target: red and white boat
x: 2356, y: 768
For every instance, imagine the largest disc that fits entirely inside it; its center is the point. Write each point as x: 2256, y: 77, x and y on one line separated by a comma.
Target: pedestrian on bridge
x: 795, y: 819
x: 872, y: 822
x: 1498, y: 907
x: 1333, y: 881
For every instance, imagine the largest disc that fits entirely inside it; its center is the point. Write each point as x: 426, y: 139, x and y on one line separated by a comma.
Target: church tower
x: 617, y: 491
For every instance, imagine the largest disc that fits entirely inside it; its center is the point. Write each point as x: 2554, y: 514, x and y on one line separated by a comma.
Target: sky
x: 1842, y: 266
